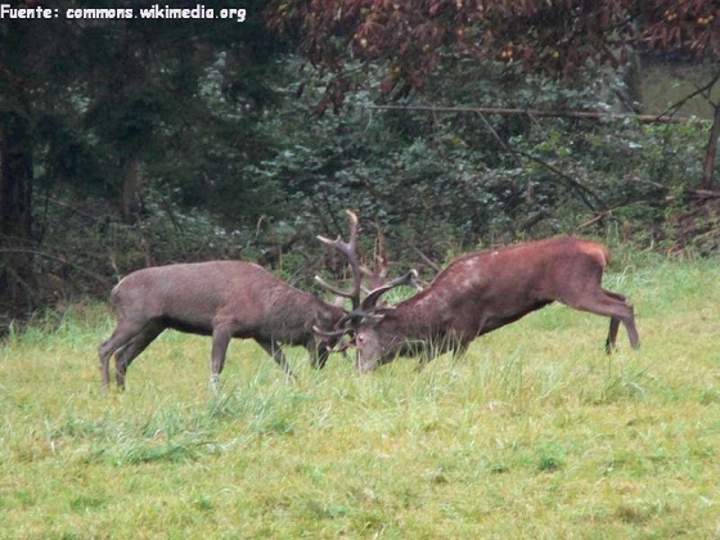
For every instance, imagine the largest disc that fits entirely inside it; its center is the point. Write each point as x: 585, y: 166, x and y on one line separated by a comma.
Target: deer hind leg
x: 220, y: 340
x: 614, y: 323
x: 125, y: 331
x: 613, y: 305
x: 629, y: 321
x: 273, y: 348
x: 125, y: 356
x: 612, y: 335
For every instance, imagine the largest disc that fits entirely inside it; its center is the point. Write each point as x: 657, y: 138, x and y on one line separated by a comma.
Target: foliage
x: 415, y: 38
x: 445, y: 183
x: 112, y: 107
x: 221, y: 146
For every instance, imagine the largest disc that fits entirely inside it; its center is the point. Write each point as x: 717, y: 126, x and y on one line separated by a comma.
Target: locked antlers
x: 361, y: 310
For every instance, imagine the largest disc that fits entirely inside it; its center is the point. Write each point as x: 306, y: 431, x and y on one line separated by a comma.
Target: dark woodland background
x: 449, y: 126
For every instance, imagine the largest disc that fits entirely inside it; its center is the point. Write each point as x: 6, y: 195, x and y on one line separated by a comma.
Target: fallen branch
x: 510, y: 111
x: 704, y: 194
x: 427, y: 260
x: 596, y: 218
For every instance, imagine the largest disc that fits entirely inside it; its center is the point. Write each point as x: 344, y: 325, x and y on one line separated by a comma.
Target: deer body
x: 480, y: 292
x: 222, y: 299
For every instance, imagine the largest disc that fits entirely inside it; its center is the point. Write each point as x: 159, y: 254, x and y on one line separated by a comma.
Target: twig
x: 598, y: 217
x: 77, y: 267
x: 72, y: 208
x: 675, y: 106
x: 30, y: 294
x: 502, y: 143
x: 427, y: 260
x: 171, y: 215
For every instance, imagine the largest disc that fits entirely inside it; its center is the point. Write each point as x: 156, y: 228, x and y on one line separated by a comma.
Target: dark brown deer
x: 222, y: 299
x: 480, y: 292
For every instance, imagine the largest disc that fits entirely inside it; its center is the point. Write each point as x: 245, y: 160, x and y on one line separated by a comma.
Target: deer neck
x: 421, y: 317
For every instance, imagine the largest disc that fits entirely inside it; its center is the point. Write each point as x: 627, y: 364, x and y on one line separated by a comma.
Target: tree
x: 554, y: 37
x: 94, y: 104
x: 413, y: 39
x: 27, y: 98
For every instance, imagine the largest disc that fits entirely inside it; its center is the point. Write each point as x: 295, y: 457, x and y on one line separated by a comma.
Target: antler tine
x: 381, y: 259
x: 329, y: 333
x: 371, y: 299
x: 332, y: 288
x: 349, y: 249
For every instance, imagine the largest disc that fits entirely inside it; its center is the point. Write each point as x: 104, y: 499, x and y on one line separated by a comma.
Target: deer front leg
x: 273, y: 348
x: 318, y: 355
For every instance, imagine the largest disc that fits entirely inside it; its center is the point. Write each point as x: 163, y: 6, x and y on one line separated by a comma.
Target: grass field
x: 536, y: 433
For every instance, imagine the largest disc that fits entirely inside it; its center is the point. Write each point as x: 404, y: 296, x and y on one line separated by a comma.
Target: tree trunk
x: 131, y: 200
x: 16, y: 175
x: 711, y: 152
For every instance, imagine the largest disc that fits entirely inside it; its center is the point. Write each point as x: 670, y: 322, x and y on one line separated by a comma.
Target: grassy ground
x: 536, y: 433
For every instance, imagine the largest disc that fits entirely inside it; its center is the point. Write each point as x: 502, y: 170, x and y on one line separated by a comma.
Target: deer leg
x: 615, y: 295
x: 221, y: 339
x: 612, y: 334
x: 318, y: 356
x: 274, y: 349
x: 629, y: 322
x: 124, y: 332
x: 459, y: 350
x: 602, y: 302
x: 125, y: 356
x: 614, y: 323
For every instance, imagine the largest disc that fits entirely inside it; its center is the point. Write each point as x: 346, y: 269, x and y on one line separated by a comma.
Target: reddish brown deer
x: 480, y: 292
x: 222, y: 299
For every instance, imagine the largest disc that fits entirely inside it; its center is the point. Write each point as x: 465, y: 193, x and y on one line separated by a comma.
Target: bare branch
x: 100, y: 279
x: 427, y: 260
x: 662, y: 118
x: 675, y: 106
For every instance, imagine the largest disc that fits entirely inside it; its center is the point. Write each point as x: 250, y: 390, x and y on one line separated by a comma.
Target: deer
x: 221, y: 299
x: 477, y: 293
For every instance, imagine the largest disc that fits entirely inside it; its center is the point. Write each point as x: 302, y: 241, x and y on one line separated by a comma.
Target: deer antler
x: 367, y: 309
x: 349, y: 249
x: 371, y: 299
x: 378, y: 275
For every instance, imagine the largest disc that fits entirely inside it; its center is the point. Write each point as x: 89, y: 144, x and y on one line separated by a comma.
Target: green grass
x: 535, y: 433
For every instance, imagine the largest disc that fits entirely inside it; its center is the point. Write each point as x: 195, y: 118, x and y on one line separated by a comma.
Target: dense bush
x: 260, y: 183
